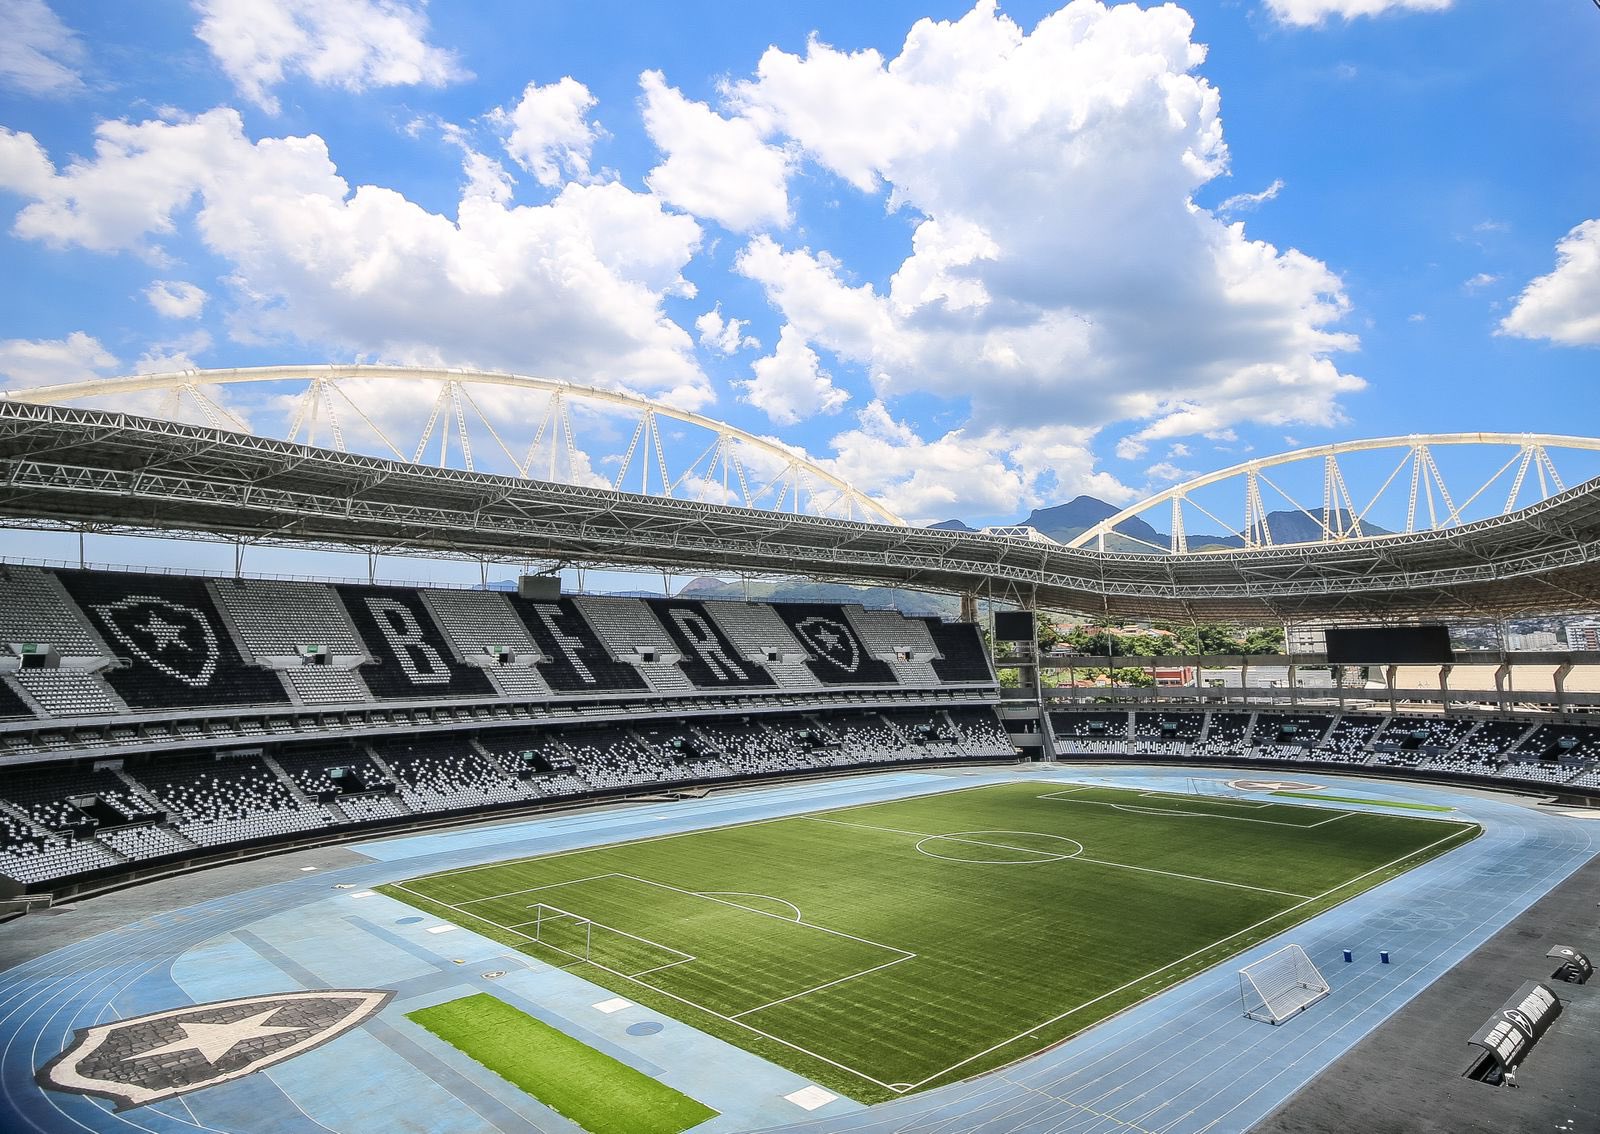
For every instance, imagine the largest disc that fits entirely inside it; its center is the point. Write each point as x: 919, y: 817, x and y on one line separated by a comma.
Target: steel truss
x: 71, y: 467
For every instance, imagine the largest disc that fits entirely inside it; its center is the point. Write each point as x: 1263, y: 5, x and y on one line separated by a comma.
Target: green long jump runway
x: 892, y: 947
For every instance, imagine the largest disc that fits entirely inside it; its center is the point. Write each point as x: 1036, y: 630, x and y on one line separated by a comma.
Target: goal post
x: 563, y: 931
x: 1280, y: 985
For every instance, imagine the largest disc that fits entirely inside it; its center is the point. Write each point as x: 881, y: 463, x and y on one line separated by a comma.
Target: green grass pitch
x: 892, y: 947
x: 598, y: 1093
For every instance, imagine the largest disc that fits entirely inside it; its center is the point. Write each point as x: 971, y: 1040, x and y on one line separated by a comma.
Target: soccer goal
x: 1280, y: 985
x: 603, y: 946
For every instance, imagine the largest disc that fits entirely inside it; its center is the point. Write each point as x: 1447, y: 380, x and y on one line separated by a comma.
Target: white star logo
x: 164, y: 633
x: 213, y: 1041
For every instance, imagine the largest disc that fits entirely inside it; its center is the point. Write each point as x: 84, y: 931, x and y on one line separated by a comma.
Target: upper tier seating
x: 708, y: 656
x: 962, y: 657
x: 627, y: 627
x: 757, y: 632
x: 275, y: 619
x: 478, y: 622
x: 69, y: 692
x: 905, y: 643
x: 836, y: 653
x: 325, y: 685
x: 413, y: 659
x: 575, y: 659
x: 178, y: 650
x: 34, y: 608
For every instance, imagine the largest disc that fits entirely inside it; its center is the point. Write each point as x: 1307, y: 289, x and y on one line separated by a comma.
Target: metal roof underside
x: 67, y: 467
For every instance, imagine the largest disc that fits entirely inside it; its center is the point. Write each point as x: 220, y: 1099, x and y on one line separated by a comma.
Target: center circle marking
x: 981, y: 841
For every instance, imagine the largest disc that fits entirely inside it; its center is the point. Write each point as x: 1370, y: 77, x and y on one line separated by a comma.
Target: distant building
x: 1537, y: 640
x: 1583, y: 635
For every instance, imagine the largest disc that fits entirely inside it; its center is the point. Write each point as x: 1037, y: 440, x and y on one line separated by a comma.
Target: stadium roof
x: 68, y: 467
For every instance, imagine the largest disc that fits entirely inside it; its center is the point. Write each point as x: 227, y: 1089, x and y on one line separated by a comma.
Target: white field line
x: 750, y: 894
x: 820, y: 987
x: 1333, y: 817
x: 1180, y: 960
x: 532, y: 889
x: 1071, y: 858
x: 904, y: 954
x: 1240, y: 803
x: 682, y: 999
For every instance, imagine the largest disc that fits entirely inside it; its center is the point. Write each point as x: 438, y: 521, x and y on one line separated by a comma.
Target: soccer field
x: 892, y: 947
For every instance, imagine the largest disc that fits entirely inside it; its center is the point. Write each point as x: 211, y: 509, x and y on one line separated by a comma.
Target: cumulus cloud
x: 176, y: 299
x: 790, y: 384
x: 1311, y: 13
x: 354, y: 44
x: 50, y: 362
x: 39, y: 55
x: 1479, y: 281
x: 715, y: 167
x: 725, y: 336
x: 1564, y: 306
x: 1059, y: 271
x: 965, y: 472
x: 573, y: 288
x: 548, y: 131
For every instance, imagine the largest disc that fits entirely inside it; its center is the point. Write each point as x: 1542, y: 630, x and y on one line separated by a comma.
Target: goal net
x: 581, y: 939
x: 563, y: 931
x: 1280, y: 985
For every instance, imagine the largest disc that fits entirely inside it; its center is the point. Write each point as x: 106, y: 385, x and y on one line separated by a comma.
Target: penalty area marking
x: 1133, y: 809
x: 749, y: 894
x: 970, y: 838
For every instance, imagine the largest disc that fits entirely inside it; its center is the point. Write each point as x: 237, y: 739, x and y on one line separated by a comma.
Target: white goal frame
x: 1280, y: 985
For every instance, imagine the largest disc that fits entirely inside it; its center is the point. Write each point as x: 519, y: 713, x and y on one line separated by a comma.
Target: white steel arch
x: 1343, y: 514
x: 334, y: 401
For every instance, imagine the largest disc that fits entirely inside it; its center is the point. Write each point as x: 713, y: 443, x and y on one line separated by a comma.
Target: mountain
x: 951, y: 526
x: 1063, y: 521
x: 1289, y: 526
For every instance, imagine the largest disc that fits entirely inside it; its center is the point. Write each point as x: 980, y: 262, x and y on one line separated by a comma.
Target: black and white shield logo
x: 830, y: 640
x: 149, y: 1058
x: 176, y: 639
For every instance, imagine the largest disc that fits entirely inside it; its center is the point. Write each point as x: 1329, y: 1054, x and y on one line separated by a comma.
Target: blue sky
x: 980, y: 259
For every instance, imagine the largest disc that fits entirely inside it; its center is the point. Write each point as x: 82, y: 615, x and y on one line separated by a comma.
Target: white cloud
x: 176, y: 299
x: 790, y: 384
x: 979, y: 476
x: 39, y: 55
x: 1563, y: 306
x: 725, y: 336
x: 1479, y: 282
x: 50, y: 362
x: 715, y: 167
x: 1249, y: 202
x: 573, y: 288
x: 548, y: 131
x: 1310, y: 13
x: 354, y: 44
x: 1059, y: 272
x: 1167, y: 472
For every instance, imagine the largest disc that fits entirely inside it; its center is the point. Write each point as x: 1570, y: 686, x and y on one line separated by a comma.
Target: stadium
x: 361, y: 855
x: 924, y: 567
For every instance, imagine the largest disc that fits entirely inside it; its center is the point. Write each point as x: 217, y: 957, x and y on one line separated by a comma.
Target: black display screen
x: 1416, y: 645
x: 1014, y: 626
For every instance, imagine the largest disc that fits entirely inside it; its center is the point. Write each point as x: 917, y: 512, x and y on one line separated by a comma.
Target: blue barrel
x: 1383, y: 957
x: 1347, y: 957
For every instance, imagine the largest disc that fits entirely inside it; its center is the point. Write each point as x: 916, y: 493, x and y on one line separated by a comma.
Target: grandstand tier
x: 709, y: 657
x: 836, y: 655
x: 175, y: 648
x: 412, y: 657
x: 575, y: 660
